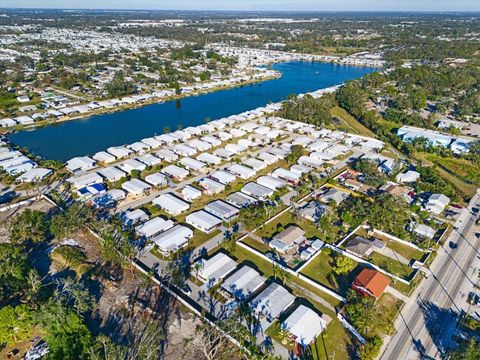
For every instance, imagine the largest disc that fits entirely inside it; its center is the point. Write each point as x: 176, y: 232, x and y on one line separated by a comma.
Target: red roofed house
x: 371, y: 283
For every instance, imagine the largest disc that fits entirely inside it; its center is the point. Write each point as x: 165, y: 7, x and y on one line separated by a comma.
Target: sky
x: 254, y: 5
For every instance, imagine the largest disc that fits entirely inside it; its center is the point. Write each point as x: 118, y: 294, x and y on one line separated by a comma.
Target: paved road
x: 427, y: 322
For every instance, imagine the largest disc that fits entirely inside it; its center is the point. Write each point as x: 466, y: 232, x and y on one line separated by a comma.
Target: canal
x: 86, y: 136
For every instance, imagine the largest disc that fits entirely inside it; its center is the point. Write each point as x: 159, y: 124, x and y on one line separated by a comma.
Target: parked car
x: 452, y: 245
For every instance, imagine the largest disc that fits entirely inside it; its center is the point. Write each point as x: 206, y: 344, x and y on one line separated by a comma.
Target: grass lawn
x: 405, y: 251
x: 273, y: 227
x: 321, y: 271
x: 391, y: 305
x: 394, y: 267
x: 461, y: 168
x: 199, y: 237
x: 351, y: 122
x: 467, y: 191
x: 257, y: 245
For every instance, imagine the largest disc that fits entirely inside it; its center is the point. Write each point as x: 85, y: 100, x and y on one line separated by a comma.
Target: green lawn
x: 394, y: 267
x: 320, y: 270
x: 273, y: 227
x: 257, y: 245
x: 199, y: 237
x: 351, y: 122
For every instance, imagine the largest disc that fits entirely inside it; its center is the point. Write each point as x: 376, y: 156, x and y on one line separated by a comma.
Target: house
x: 166, y: 155
x: 335, y: 195
x: 221, y: 209
x: 203, y: 221
x: 34, y: 175
x: 272, y: 302
x: 192, y: 164
x: 313, y: 211
x: 304, y: 325
x: 103, y: 156
x: 408, y: 177
x: 240, y: 200
x: 268, y: 158
x: 85, y: 180
x: 300, y: 169
x: 175, y: 172
x: 132, y: 217
x: 363, y: 247
x: 286, y: 239
x: 215, y: 269
x: 235, y: 149
x: 157, y: 179
x: 119, y: 152
x: 223, y: 177
x: 109, y: 198
x: 271, y: 182
x: 130, y: 165
x: 255, y: 164
x: 24, y: 120
x: 171, y: 204
x: 184, y: 150
x: 135, y: 187
x: 189, y: 193
x: 243, y: 283
x: 172, y: 239
x: 149, y: 160
x: 138, y: 147
x: 241, y: 171
x: 91, y: 190
x: 211, y: 140
x: 257, y: 191
x: 424, y: 231
x: 211, y: 187
x: 223, y: 153
x: 200, y: 145
x: 81, y: 163
x: 111, y: 173
x: 310, y: 162
x: 153, y: 227
x: 370, y: 283
x: 436, y: 203
x: 152, y: 142
x: 209, y: 159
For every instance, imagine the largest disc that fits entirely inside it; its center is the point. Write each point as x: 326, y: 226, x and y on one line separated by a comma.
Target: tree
x: 295, y: 152
x: 341, y: 264
x: 16, y: 323
x: 470, y: 351
x: 29, y: 225
x: 14, y: 270
x: 66, y: 334
x: 119, y: 86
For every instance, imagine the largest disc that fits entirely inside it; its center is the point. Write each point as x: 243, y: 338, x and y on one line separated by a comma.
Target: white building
x: 211, y: 187
x: 103, y: 156
x: 156, y: 179
x: 154, y: 227
x: 192, y: 164
x: 135, y: 187
x: 190, y: 193
x: 223, y: 177
x: 257, y: 191
x: 34, y: 175
x: 304, y: 325
x: 130, y: 165
x: 216, y: 268
x: 203, y: 221
x: 175, y: 172
x: 171, y: 204
x: 271, y: 182
x: 85, y: 180
x: 173, y: 239
x: 436, y: 203
x: 119, y: 152
x: 81, y: 163
x: 241, y: 171
x: 272, y: 302
x: 112, y: 173
x: 221, y: 209
x: 243, y: 283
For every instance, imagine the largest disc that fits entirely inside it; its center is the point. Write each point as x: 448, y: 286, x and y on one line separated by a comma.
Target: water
x: 87, y: 136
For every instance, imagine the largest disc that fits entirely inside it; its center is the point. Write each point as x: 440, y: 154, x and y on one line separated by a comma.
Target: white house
x: 304, y: 325
x: 243, y: 283
x: 222, y: 210
x: 241, y: 171
x: 190, y: 193
x: 111, y: 173
x: 156, y: 179
x: 135, y: 187
x: 34, y: 175
x: 81, y: 163
x: 175, y: 172
x: 271, y: 182
x: 257, y: 191
x: 215, y: 269
x: 154, y: 227
x: 85, y: 180
x: 171, y: 204
x: 172, y: 239
x: 211, y: 187
x: 119, y: 152
x: 130, y: 165
x: 203, y: 221
x: 255, y: 164
x: 436, y: 203
x: 192, y: 164
x: 209, y: 158
x: 223, y: 177
x: 103, y: 156
x: 408, y: 177
x: 272, y: 302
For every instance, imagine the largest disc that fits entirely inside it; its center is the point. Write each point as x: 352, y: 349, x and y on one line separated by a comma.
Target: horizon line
x: 245, y: 11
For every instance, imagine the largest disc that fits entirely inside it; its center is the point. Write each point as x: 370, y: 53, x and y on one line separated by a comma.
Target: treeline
x: 307, y: 109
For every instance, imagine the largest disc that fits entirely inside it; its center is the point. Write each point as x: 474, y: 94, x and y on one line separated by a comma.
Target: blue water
x: 87, y: 136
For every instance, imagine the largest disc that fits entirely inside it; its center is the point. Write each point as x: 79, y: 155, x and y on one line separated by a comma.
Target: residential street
x: 427, y: 322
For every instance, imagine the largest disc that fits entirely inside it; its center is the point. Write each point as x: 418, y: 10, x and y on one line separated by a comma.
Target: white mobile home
x: 135, y: 187
x: 257, y: 191
x: 175, y: 172
x: 241, y: 171
x: 171, y: 204
x: 154, y: 227
x: 111, y: 173
x: 173, y: 239
x: 203, y: 221
x: 221, y: 209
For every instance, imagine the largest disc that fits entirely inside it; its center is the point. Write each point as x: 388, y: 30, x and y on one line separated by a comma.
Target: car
x: 452, y: 245
x: 186, y: 290
x: 457, y: 206
x: 475, y: 210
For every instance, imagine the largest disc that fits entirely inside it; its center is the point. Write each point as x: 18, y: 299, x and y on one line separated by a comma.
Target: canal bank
x: 87, y: 136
